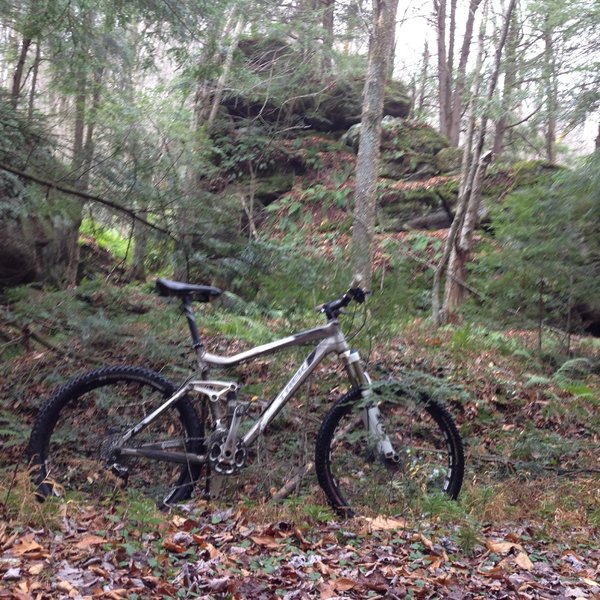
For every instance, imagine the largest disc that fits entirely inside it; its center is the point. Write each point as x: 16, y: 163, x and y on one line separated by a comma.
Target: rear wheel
x: 358, y: 479
x: 74, y: 442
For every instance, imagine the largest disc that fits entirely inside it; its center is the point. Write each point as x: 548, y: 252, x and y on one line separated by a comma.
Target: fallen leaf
x: 175, y: 548
x: 524, y: 561
x: 384, y: 523
x: 502, y: 547
x: 65, y: 586
x: 36, y: 569
x: 88, y: 541
x: 29, y: 548
x: 265, y: 540
x: 344, y: 584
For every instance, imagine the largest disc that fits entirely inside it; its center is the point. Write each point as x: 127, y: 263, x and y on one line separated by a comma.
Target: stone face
x: 408, y: 149
x: 287, y: 88
x: 40, y: 247
x: 38, y: 227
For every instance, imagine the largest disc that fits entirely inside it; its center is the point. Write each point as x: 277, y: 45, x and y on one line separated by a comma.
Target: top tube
x: 331, y: 330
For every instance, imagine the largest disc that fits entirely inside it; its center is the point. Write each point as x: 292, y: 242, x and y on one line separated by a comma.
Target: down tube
x: 299, y: 377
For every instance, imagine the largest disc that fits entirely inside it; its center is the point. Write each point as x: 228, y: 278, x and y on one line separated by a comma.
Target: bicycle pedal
x: 120, y: 471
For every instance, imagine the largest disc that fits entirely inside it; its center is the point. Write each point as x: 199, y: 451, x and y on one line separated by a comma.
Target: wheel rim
x: 83, y: 442
x: 424, y: 465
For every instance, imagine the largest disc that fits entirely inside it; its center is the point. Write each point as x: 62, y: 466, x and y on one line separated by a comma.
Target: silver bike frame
x: 330, y: 340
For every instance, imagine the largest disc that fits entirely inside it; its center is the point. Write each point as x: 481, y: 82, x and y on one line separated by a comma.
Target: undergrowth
x: 529, y: 422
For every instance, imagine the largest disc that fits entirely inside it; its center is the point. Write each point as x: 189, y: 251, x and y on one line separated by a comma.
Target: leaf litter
x: 94, y: 555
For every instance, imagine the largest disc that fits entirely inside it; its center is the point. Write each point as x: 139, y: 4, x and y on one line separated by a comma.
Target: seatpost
x: 189, y: 315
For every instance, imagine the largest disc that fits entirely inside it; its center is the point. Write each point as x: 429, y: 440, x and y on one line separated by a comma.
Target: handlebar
x: 333, y: 309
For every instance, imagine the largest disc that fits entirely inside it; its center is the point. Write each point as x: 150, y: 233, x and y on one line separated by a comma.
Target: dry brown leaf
x: 268, y: 541
x: 88, y: 541
x: 326, y: 591
x: 524, y: 561
x: 29, y: 548
x: 65, y: 586
x: 384, y: 523
x: 419, y: 537
x: 175, y: 548
x: 178, y: 521
x: 344, y: 584
x: 502, y: 547
x: 36, y: 569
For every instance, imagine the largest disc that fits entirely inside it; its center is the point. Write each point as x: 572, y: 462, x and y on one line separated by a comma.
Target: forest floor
x: 525, y: 526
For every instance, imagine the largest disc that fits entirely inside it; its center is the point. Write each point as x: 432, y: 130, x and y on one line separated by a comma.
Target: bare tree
x: 451, y: 78
x: 460, y: 238
x: 380, y: 48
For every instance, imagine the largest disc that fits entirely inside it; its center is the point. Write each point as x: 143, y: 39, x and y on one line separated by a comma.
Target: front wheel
x: 75, y: 441
x: 361, y: 473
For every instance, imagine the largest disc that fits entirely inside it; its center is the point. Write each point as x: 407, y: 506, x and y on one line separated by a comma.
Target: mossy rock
x: 532, y: 172
x: 285, y: 89
x: 407, y: 148
x: 38, y: 227
x: 448, y: 160
x: 400, y: 206
x: 411, y: 136
x: 269, y: 189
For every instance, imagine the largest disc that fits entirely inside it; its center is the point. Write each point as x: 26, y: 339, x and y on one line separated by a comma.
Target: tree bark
x: 444, y: 81
x: 218, y: 93
x: 510, y: 82
x: 419, y: 102
x: 551, y: 91
x: 457, y: 104
x: 471, y: 196
x: 328, y: 8
x: 34, y: 78
x: 17, y: 81
x: 442, y: 266
x: 380, y: 41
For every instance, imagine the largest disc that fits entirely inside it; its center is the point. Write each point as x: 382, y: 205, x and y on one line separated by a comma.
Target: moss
x: 448, y: 159
x: 269, y: 189
x: 532, y: 172
x: 411, y: 136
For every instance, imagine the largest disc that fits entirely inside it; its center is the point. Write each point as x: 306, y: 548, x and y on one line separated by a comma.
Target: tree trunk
x: 328, y: 7
x: 380, y: 41
x: 419, y: 102
x: 457, y: 103
x: 466, y: 162
x: 551, y: 91
x: 510, y: 79
x: 140, y: 242
x: 462, y: 243
x: 218, y: 93
x: 444, y: 81
x: 17, y: 81
x: 34, y: 79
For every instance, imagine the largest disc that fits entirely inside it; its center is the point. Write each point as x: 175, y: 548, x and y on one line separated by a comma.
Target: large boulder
x: 285, y: 87
x: 409, y: 149
x: 38, y: 226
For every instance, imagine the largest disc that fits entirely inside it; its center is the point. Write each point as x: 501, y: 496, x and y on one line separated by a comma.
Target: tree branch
x: 83, y: 195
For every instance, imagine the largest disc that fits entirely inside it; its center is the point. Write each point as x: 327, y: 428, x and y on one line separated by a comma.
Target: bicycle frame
x: 331, y: 340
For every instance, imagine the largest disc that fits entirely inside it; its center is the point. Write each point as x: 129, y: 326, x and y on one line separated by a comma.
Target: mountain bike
x: 129, y: 427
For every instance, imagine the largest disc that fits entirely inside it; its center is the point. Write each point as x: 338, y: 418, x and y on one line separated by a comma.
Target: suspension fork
x: 371, y: 415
